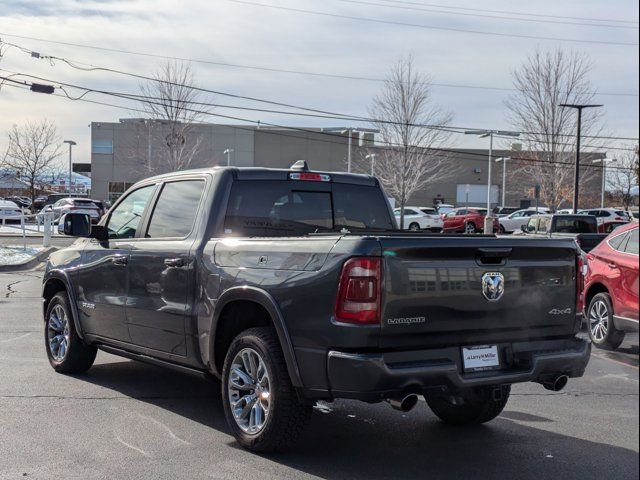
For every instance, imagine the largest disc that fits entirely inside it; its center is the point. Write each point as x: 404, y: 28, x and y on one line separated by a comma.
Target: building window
x: 116, y: 189
x: 102, y: 146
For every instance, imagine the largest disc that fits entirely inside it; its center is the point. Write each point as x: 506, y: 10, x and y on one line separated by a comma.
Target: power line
x: 481, y: 15
x: 452, y: 129
x: 429, y: 27
x: 540, y: 15
x: 433, y: 151
x: 325, y: 114
x: 281, y: 70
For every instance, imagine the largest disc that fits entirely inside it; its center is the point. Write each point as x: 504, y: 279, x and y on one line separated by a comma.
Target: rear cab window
x: 292, y: 208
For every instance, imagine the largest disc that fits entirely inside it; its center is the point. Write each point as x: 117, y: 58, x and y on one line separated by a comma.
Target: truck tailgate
x: 432, y: 291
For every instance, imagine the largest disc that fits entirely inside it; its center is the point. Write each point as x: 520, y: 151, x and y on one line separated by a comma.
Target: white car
x: 73, y: 205
x: 415, y: 219
x: 607, y: 215
x: 9, y: 212
x: 445, y: 208
x: 515, y: 221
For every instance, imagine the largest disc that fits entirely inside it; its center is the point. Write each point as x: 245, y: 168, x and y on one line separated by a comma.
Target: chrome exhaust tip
x: 555, y: 384
x: 404, y: 404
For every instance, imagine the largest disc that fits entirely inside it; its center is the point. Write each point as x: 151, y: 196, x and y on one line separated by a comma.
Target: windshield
x: 290, y: 208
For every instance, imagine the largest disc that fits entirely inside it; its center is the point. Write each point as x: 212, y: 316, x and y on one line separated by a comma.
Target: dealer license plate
x: 481, y: 357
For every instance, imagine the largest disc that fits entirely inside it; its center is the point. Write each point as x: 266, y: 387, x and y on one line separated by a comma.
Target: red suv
x: 467, y: 220
x: 610, y: 295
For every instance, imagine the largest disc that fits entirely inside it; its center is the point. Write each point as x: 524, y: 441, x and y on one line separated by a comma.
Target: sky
x: 231, y: 42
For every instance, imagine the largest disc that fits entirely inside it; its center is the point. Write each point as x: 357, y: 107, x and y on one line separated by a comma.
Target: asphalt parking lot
x: 124, y: 419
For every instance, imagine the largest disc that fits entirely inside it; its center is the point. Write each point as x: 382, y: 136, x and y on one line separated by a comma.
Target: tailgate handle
x: 493, y: 256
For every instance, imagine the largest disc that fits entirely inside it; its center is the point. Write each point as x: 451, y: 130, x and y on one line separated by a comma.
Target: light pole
x: 71, y: 144
x: 604, y: 162
x: 371, y: 156
x: 228, y: 153
x: 350, y: 131
x: 504, y: 176
x: 576, y: 174
x: 488, y: 221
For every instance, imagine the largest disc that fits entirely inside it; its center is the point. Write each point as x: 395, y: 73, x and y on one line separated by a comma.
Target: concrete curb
x: 29, y: 264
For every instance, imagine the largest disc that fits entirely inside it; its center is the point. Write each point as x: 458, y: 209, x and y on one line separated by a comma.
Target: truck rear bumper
x: 376, y: 376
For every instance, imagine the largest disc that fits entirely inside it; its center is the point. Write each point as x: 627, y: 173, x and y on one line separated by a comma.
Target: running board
x: 153, y: 361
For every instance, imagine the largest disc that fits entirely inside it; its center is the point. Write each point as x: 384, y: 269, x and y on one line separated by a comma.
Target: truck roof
x: 260, y: 173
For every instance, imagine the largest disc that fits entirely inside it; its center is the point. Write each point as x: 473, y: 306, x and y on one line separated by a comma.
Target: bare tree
x: 32, y: 152
x: 622, y: 177
x: 543, y: 82
x: 408, y: 159
x: 174, y: 104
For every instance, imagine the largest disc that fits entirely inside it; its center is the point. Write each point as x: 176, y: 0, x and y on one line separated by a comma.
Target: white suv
x: 419, y: 218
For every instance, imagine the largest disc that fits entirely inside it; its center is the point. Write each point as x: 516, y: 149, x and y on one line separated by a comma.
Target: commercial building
x: 129, y: 150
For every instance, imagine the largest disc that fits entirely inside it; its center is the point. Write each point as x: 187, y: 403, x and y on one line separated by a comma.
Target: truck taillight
x: 582, y: 269
x: 358, y: 298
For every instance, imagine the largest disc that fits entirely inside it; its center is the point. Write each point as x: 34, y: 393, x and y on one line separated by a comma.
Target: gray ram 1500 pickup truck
x: 295, y: 286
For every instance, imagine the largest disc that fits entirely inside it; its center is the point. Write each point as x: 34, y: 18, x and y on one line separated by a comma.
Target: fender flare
x: 264, y: 299
x: 63, y: 276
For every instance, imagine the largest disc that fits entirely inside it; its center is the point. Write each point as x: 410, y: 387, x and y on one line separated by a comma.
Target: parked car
x: 23, y: 202
x: 77, y: 205
x: 606, y: 215
x: 444, y: 208
x: 467, y: 220
x: 416, y: 219
x: 39, y: 202
x: 582, y: 228
x: 293, y: 287
x: 9, y: 212
x: 514, y: 221
x: 611, y: 288
x: 500, y: 211
x: 102, y: 206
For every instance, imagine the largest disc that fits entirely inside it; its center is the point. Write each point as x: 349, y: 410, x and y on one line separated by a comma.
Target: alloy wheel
x: 249, y: 391
x: 58, y: 333
x: 599, y: 320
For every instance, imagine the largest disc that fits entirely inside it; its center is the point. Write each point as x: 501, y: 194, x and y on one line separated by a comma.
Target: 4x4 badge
x: 492, y: 286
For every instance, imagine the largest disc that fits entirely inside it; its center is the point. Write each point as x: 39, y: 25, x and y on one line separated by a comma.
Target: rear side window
x: 289, y: 208
x: 632, y: 243
x: 574, y: 225
x: 175, y: 210
x: 618, y: 241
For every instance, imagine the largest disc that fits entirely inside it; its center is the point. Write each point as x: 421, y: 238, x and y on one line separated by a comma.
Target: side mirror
x: 75, y: 225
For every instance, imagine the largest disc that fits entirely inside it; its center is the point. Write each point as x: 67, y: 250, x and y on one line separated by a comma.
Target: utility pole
x: 576, y: 173
x: 71, y: 144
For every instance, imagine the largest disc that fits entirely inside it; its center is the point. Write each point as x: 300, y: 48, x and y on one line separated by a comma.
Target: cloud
x: 227, y: 32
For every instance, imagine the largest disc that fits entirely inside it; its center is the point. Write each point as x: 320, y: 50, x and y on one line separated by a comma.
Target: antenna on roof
x: 300, y: 166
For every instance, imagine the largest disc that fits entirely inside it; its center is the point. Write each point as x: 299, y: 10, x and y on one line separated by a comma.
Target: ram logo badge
x: 492, y: 286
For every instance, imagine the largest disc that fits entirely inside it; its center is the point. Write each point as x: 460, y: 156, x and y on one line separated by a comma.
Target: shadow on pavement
x: 357, y: 440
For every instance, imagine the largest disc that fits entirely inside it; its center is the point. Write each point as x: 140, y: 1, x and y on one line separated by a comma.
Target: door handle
x: 120, y: 259
x: 612, y: 265
x: 174, y: 262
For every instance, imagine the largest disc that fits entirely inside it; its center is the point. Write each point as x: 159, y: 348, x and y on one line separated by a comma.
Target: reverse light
x: 358, y: 300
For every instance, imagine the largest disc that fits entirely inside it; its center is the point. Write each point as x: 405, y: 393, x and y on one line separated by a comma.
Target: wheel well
x: 592, y: 292
x: 52, y: 287
x: 236, y: 317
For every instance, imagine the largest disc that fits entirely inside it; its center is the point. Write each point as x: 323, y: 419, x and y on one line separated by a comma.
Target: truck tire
x: 602, y: 331
x: 479, y: 407
x: 66, y: 351
x: 259, y: 401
